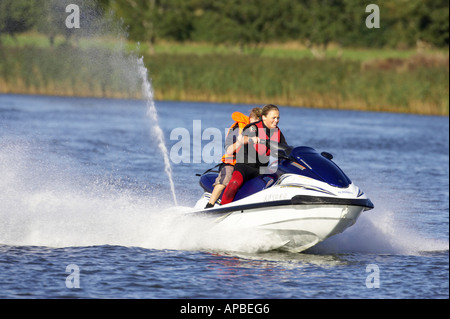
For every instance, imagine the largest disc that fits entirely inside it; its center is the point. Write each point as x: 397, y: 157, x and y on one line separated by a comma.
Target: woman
x: 232, y: 146
x: 257, y: 139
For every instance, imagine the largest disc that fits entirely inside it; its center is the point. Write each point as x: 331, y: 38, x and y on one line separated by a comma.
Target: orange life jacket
x: 241, y: 120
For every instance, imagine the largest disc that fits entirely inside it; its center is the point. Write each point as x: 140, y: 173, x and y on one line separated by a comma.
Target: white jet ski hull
x: 300, y: 211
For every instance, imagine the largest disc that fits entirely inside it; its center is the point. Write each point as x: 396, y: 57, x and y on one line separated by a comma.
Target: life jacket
x: 241, y: 120
x: 261, y: 148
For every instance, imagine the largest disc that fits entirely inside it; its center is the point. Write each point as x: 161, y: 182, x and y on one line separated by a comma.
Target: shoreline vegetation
x: 404, y: 81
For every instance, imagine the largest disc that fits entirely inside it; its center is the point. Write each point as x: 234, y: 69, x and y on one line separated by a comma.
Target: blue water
x: 86, y: 209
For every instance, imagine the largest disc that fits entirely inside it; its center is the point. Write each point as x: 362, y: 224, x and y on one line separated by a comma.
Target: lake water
x: 86, y: 209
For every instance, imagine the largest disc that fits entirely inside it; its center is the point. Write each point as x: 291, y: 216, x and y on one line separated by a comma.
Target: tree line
x: 246, y: 23
x: 312, y: 22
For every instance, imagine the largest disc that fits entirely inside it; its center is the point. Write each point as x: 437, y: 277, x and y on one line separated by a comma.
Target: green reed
x: 404, y: 85
x: 66, y: 70
x: 328, y: 83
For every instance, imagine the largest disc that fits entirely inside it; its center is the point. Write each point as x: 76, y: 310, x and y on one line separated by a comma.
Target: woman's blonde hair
x: 256, y: 112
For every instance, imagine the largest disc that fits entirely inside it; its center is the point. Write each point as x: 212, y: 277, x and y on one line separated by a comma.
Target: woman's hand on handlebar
x: 254, y: 139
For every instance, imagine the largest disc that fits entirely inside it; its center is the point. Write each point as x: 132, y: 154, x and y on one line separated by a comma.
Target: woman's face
x: 271, y: 119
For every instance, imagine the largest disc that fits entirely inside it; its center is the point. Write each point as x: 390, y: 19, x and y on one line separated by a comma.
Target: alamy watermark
x: 207, y: 146
x: 73, y: 19
x: 373, y: 19
x: 181, y: 151
x: 73, y: 279
x: 373, y: 279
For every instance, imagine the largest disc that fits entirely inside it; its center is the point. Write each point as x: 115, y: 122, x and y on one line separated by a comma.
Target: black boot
x: 209, y: 205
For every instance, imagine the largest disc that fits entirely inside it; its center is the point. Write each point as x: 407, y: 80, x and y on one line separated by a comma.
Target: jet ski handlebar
x: 280, y: 149
x: 284, y: 150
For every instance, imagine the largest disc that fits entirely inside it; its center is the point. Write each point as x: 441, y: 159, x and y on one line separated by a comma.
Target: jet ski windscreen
x: 324, y: 168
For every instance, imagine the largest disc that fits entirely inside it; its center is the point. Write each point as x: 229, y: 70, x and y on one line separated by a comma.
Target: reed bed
x: 67, y: 71
x: 418, y: 84
x: 414, y: 85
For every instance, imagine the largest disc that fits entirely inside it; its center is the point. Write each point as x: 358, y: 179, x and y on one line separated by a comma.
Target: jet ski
x: 303, y: 198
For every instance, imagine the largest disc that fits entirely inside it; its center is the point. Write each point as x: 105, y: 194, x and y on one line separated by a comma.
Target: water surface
x: 83, y: 184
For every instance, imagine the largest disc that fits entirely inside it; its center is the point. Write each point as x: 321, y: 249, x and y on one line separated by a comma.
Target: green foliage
x: 16, y: 16
x: 313, y: 22
x: 347, y: 79
x: 415, y: 85
x: 247, y: 22
x: 418, y: 84
x: 65, y: 70
x: 49, y: 16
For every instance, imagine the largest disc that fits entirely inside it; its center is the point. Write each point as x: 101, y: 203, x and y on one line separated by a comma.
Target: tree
x: 324, y: 24
x: 16, y: 16
x: 175, y: 19
x: 252, y: 23
x: 432, y: 20
x: 246, y: 23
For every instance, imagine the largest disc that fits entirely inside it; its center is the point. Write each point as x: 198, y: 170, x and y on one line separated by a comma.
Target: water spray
x: 156, y: 130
